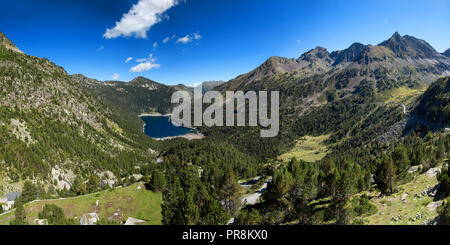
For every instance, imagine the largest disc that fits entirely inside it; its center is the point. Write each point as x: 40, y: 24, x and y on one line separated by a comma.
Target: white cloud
x: 166, y: 39
x: 155, y: 45
x: 197, y: 36
x: 386, y: 21
x: 128, y: 59
x: 115, y: 76
x: 101, y: 48
x: 298, y: 41
x: 189, y: 38
x: 141, y: 17
x: 184, y: 40
x: 145, y: 64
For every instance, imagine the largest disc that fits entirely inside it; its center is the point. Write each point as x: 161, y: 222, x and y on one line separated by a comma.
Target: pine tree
x: 20, y: 215
x: 190, y: 210
x: 279, y: 188
x: 345, y: 185
x: 388, y: 176
x: 29, y: 192
x: 53, y: 214
x: 158, y: 181
x: 401, y: 161
x: 230, y: 192
x: 440, y: 151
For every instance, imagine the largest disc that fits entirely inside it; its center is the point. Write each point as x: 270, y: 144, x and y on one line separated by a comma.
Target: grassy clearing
x: 124, y: 202
x: 308, y: 148
x: 392, y: 206
x: 401, y: 94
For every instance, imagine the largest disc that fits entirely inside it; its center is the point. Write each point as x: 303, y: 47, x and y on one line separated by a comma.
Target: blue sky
x: 208, y: 39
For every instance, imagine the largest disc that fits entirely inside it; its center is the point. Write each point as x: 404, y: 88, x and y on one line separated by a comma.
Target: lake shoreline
x: 189, y: 135
x: 154, y: 114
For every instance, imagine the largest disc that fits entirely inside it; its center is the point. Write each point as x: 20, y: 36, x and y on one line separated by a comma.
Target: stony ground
x: 411, y: 205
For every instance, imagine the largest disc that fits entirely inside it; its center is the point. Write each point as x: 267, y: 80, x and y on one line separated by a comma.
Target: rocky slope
x: 210, y: 85
x: 394, y: 62
x: 8, y: 44
x: 447, y: 52
x: 319, y: 77
x: 53, y: 131
x: 312, y: 62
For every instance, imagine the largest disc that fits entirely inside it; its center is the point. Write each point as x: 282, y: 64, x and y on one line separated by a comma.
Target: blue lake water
x: 161, y: 127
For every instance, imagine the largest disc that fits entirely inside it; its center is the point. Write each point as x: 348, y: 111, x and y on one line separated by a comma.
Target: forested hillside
x: 338, y: 188
x: 58, y: 135
x: 141, y: 95
x: 434, y: 105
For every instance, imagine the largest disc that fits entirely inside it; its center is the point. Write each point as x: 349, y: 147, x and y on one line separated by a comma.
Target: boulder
x: 40, y: 222
x: 403, y: 198
x: 134, y: 221
x: 89, y: 219
x: 413, y: 169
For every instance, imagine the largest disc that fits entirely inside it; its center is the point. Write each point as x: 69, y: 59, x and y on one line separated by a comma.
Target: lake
x: 160, y: 127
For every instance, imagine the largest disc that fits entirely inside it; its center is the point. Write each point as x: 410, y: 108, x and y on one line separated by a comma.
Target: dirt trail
x: 252, y: 198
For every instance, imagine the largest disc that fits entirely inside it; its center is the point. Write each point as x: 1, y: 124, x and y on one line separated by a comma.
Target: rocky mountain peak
x: 315, y: 54
x: 140, y: 80
x: 396, y: 35
x: 350, y: 54
x: 409, y: 46
x: 274, y: 65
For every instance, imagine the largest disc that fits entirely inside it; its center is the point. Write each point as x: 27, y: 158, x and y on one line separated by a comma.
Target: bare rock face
x: 8, y: 44
x: 350, y: 54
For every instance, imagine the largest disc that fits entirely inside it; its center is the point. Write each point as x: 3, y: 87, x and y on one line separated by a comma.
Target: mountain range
x: 344, y: 93
x: 73, y: 135
x: 394, y: 61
